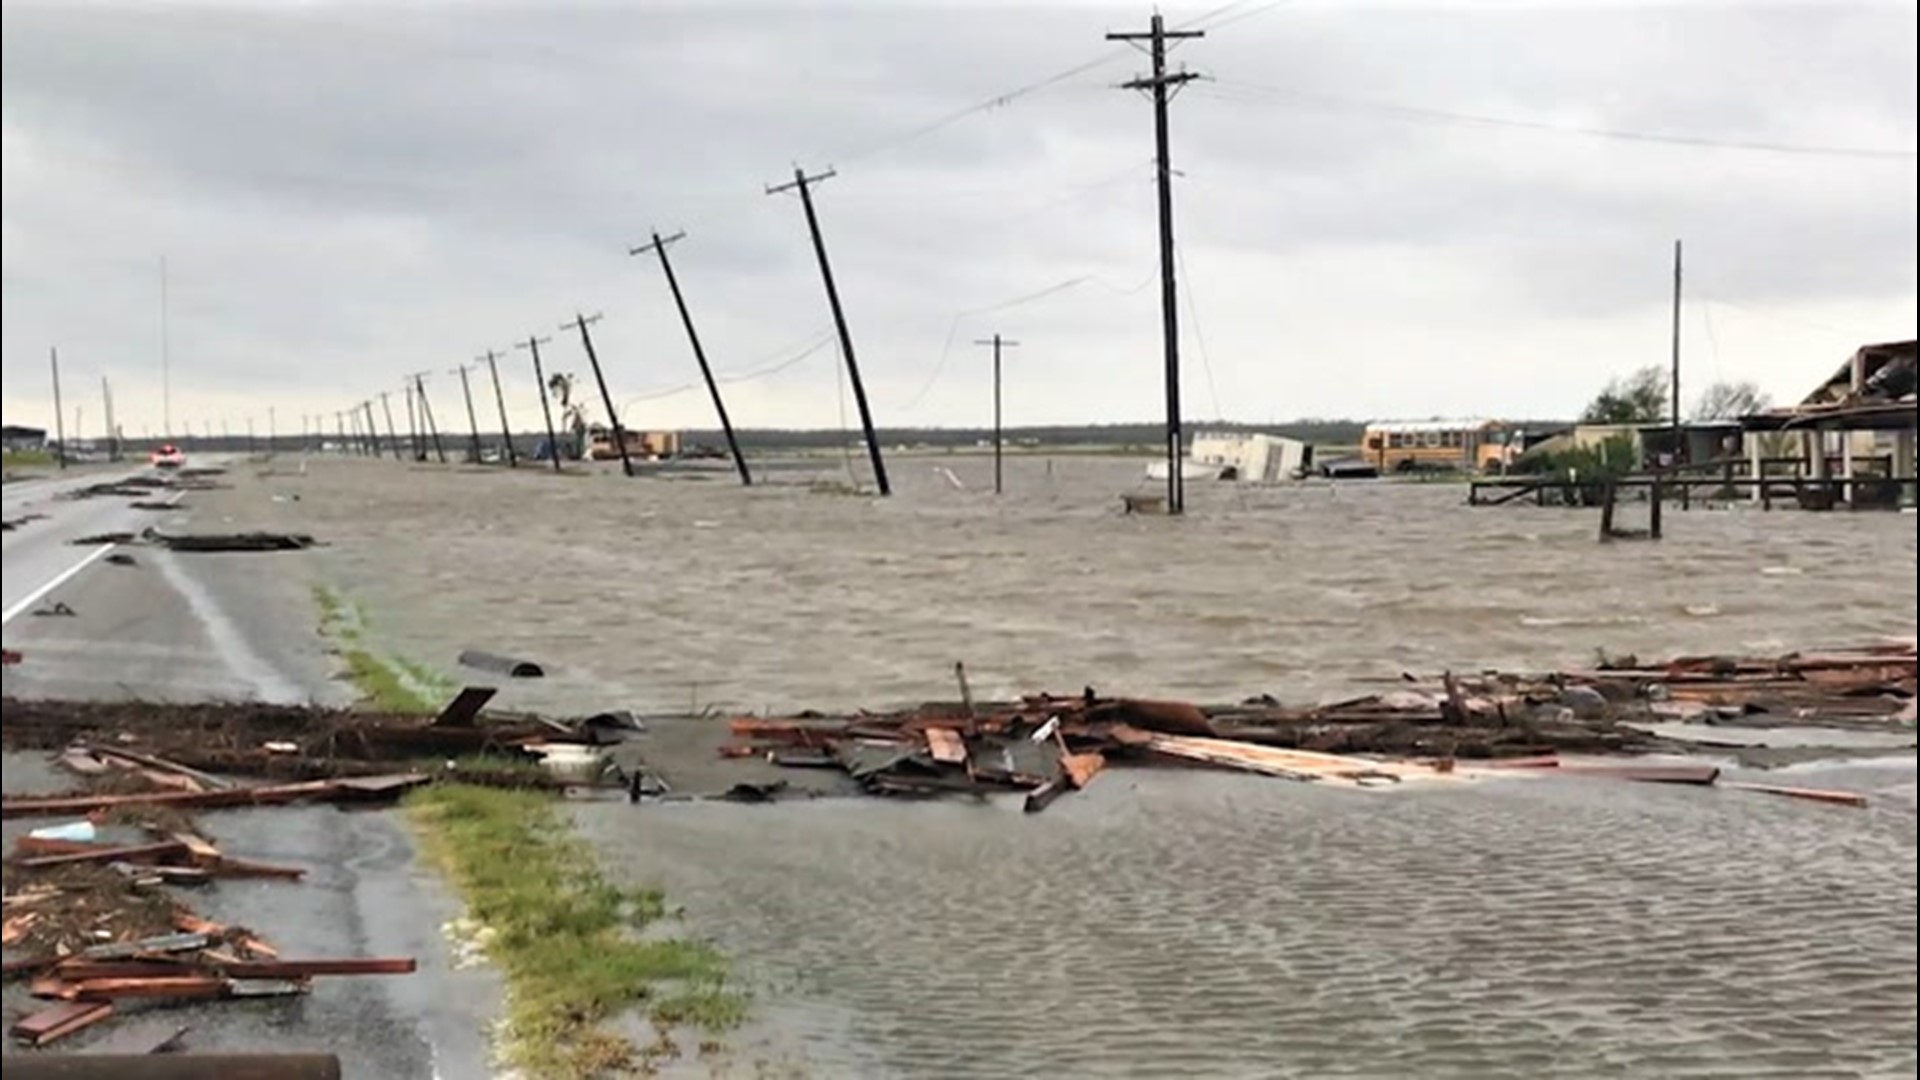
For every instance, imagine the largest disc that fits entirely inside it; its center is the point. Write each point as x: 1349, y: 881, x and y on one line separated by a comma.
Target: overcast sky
x: 345, y: 193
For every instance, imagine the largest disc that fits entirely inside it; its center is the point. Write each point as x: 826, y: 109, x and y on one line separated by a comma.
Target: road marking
x: 58, y: 580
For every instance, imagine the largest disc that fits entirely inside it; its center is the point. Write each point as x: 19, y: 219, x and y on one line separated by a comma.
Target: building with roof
x: 16, y: 437
x: 1853, y: 435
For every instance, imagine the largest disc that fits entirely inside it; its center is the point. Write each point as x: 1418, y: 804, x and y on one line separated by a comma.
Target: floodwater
x: 1180, y: 923
x: 664, y: 594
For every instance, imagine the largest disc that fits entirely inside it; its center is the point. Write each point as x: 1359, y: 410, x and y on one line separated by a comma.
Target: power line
x: 1008, y: 97
x: 1199, y: 339
x: 953, y: 331
x: 818, y: 342
x: 1423, y: 113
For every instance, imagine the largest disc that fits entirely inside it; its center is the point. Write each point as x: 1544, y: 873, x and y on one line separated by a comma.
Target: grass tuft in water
x: 563, y: 936
x: 395, y: 686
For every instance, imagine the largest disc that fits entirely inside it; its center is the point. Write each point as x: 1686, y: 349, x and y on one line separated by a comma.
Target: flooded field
x: 1180, y: 923
x: 661, y: 594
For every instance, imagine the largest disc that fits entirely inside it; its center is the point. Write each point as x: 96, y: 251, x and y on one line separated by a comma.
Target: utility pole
x: 1162, y: 83
x: 166, y: 360
x: 506, y: 429
x: 340, y: 429
x: 805, y: 183
x: 113, y: 432
x: 373, y: 429
x: 59, y: 417
x: 533, y: 344
x: 426, y: 416
x: 659, y: 245
x: 581, y: 322
x: 473, y: 422
x: 998, y: 343
x: 393, y: 437
x: 1678, y: 449
x: 414, y: 452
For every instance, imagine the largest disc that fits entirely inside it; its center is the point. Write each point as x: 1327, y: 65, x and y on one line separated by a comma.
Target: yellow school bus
x: 1438, y: 445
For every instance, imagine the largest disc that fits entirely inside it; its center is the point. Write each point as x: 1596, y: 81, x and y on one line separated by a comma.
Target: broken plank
x: 1043, y: 796
x: 205, y: 967
x: 27, y: 806
x: 207, y: 781
x: 1700, y: 775
x: 1080, y: 769
x: 947, y: 746
x: 227, y: 866
x: 130, y: 854
x: 465, y: 707
x: 60, y: 1020
x: 163, y: 943
x: 1841, y: 798
x: 172, y: 986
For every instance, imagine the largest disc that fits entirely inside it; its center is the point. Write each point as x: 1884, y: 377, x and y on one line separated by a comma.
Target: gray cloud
x: 345, y: 194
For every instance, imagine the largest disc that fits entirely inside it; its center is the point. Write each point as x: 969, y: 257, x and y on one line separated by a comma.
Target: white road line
x: 66, y: 575
x: 58, y: 580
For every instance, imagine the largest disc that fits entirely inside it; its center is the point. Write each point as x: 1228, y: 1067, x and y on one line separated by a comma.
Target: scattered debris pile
x: 1047, y: 745
x: 89, y: 913
x: 305, y: 745
x: 248, y: 541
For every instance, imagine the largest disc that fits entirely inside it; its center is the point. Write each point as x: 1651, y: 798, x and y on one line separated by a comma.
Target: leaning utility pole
x: 581, y: 322
x: 113, y: 432
x: 373, y: 429
x: 1678, y: 449
x: 473, y: 422
x: 1162, y: 82
x: 506, y: 429
x: 59, y: 420
x: 546, y: 411
x: 340, y: 428
x: 659, y: 245
x: 426, y: 416
x: 998, y: 343
x: 804, y: 182
x: 393, y: 437
x: 415, y: 452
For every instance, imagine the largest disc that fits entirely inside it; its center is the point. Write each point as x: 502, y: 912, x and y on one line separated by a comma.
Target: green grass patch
x: 395, y: 685
x: 26, y: 459
x: 565, y: 939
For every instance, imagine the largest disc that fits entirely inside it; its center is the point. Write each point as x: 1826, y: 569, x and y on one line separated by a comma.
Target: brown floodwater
x: 657, y: 594
x: 1177, y: 923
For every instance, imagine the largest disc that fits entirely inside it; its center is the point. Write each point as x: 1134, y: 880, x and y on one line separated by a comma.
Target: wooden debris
x: 59, y: 1021
x: 1080, y: 769
x: 946, y: 746
x: 1841, y: 798
x: 268, y: 794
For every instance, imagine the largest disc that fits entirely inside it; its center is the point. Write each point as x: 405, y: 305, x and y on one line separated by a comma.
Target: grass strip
x: 393, y: 686
x: 565, y: 939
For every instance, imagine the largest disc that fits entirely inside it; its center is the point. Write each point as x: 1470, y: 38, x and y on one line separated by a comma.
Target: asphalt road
x: 240, y: 626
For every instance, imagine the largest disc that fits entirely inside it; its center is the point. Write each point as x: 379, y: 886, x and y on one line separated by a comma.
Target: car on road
x: 167, y: 456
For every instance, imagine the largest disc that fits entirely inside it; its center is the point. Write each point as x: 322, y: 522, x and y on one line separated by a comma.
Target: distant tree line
x: 1643, y: 398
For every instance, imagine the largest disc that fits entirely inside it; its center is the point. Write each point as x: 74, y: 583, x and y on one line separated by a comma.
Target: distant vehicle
x: 167, y: 456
